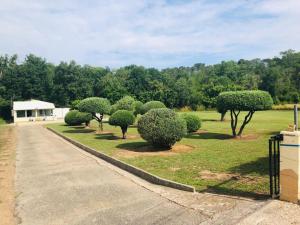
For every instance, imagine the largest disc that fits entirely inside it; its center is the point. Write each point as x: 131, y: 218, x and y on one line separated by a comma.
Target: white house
x: 35, y: 110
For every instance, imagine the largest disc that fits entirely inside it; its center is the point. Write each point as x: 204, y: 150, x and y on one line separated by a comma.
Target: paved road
x: 58, y: 184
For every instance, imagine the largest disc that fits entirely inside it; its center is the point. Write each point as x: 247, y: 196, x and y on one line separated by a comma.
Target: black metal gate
x: 274, y: 165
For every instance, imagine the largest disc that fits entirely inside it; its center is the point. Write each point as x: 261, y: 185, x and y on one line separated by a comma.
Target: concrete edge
x: 129, y: 168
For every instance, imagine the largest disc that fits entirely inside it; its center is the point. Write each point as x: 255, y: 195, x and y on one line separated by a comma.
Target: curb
x: 129, y: 168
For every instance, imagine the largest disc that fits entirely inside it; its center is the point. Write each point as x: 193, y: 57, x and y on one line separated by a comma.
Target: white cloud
x: 151, y: 33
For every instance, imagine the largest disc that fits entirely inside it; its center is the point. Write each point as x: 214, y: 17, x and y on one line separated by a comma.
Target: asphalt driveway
x: 56, y: 183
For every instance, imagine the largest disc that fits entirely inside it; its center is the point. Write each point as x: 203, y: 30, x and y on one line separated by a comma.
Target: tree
x: 74, y: 104
x: 237, y: 101
x: 94, y: 106
x: 123, y: 119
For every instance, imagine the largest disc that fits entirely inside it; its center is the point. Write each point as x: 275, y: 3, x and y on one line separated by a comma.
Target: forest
x: 195, y: 87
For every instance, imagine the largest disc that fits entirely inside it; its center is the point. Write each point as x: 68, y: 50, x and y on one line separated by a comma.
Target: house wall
x: 60, y: 113
x: 35, y: 116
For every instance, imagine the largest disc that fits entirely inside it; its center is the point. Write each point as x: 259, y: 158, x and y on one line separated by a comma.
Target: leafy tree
x: 237, y: 101
x: 123, y: 119
x: 94, y: 106
x: 74, y: 104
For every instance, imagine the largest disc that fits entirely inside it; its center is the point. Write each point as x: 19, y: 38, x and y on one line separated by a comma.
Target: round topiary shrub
x: 122, y: 118
x: 193, y: 122
x: 152, y: 105
x: 74, y: 117
x: 161, y: 127
x: 138, y: 107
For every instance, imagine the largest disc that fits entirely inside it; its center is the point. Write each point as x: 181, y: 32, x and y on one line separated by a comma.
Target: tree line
x: 195, y: 86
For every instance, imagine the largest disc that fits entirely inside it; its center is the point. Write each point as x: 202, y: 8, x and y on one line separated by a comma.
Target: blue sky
x: 157, y: 33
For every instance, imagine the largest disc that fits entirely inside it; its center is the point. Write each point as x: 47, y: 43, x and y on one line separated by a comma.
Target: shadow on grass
x: 106, y: 136
x: 79, y: 131
x: 140, y: 147
x: 221, y: 189
x: 259, y: 166
x: 209, y: 135
x: 211, y: 120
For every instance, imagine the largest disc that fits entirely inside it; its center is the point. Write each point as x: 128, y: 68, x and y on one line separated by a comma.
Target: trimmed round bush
x: 138, y: 107
x: 193, y: 122
x: 123, y: 119
x: 125, y: 103
x: 74, y: 117
x: 244, y: 101
x: 161, y: 127
x: 152, y: 105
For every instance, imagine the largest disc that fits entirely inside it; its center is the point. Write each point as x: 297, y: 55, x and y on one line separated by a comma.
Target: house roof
x: 32, y: 104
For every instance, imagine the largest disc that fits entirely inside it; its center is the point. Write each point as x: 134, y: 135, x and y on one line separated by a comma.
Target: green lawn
x: 2, y: 121
x: 241, y: 163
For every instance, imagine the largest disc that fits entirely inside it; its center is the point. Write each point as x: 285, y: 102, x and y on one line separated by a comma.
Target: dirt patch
x: 200, y: 132
x: 7, y: 171
x: 174, y: 169
x: 149, y: 150
x: 246, y: 137
x: 208, y: 175
x: 102, y: 132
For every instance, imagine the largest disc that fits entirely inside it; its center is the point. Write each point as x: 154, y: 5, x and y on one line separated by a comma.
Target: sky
x: 152, y: 33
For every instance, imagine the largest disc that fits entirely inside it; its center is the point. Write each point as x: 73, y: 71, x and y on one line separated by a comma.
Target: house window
x: 48, y: 112
x: 20, y: 113
x: 41, y: 112
x: 29, y: 113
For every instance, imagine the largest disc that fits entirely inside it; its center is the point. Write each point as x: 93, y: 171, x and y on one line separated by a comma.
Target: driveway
x: 57, y: 183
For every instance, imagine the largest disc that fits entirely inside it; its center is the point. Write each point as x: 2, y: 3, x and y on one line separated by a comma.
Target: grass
x: 2, y: 121
x: 243, y: 162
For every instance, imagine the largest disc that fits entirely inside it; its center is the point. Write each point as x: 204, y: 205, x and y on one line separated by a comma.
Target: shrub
x: 137, y: 107
x: 237, y: 101
x: 74, y: 117
x: 125, y: 103
x: 152, y: 105
x: 122, y: 118
x: 193, y: 122
x: 113, y: 109
x: 161, y: 127
x: 94, y: 106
